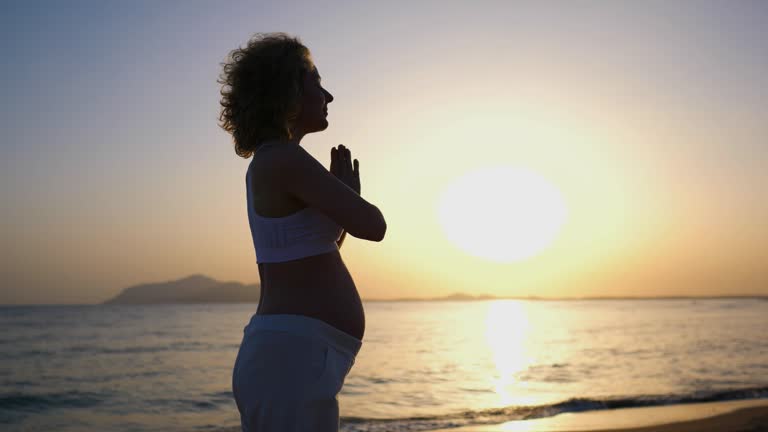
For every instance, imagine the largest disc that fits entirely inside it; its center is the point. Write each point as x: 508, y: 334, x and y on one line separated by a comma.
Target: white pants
x: 288, y: 372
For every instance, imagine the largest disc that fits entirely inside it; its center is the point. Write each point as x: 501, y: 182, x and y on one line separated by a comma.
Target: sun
x: 501, y: 213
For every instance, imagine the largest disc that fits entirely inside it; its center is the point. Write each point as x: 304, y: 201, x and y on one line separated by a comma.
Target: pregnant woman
x: 302, y: 341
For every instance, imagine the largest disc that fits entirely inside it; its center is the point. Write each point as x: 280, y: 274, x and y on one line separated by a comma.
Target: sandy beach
x: 732, y: 416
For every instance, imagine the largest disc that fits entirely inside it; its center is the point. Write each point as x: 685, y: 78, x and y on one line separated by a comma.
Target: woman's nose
x: 328, y: 96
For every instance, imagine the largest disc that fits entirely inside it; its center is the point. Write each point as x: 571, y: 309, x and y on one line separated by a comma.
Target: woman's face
x: 314, y: 105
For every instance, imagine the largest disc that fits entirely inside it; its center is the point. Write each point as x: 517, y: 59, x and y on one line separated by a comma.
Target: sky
x: 650, y: 119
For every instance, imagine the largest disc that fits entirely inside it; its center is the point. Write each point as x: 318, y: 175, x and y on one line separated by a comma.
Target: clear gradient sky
x: 650, y: 117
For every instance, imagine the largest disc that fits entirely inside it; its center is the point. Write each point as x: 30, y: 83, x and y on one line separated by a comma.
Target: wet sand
x: 732, y: 416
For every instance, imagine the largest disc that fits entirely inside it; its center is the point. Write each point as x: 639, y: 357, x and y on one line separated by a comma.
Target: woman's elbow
x: 381, y: 231
x: 377, y: 226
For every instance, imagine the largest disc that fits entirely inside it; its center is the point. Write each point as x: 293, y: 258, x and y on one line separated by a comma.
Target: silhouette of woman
x: 303, y: 339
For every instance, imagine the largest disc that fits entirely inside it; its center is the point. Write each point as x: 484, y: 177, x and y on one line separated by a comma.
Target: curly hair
x: 261, y: 90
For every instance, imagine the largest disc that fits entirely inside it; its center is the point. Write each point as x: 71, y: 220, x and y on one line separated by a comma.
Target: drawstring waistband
x: 307, y: 326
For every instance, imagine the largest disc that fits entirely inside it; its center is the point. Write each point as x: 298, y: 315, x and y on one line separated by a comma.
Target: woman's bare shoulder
x: 271, y: 157
x: 284, y: 159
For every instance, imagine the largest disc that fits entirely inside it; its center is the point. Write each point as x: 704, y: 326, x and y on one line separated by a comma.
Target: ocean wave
x: 29, y: 402
x: 187, y: 346
x: 504, y: 414
x: 26, y: 355
x: 206, y: 402
x: 140, y: 349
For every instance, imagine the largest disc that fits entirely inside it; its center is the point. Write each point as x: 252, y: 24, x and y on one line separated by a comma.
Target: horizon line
x: 447, y: 298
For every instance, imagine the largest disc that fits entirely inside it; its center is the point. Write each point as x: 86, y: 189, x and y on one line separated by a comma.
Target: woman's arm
x: 341, y: 158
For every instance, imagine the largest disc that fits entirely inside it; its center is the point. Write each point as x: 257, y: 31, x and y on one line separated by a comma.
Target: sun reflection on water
x: 507, y: 333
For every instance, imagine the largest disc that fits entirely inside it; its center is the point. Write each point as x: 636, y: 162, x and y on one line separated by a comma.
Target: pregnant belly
x: 319, y: 286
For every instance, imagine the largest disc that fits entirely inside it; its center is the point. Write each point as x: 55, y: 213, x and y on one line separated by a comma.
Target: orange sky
x: 648, y: 118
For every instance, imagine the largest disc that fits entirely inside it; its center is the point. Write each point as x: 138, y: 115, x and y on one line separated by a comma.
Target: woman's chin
x: 318, y: 129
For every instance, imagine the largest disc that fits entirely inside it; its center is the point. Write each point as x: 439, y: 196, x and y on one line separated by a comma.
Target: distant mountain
x: 454, y: 296
x: 202, y: 289
x: 191, y: 289
x: 462, y: 296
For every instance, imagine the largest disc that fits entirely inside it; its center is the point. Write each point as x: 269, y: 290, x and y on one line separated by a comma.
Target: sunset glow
x: 568, y: 151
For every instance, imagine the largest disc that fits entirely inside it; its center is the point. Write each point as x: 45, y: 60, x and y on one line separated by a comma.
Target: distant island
x: 191, y: 289
x: 203, y: 289
x: 454, y: 297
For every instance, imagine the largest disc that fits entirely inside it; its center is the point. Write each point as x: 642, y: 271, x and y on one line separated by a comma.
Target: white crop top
x: 301, y: 234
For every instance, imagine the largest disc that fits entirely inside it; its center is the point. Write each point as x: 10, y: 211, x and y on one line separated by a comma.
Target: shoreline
x: 730, y: 416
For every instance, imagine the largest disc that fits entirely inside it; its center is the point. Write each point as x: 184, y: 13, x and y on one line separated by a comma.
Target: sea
x: 423, y: 364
